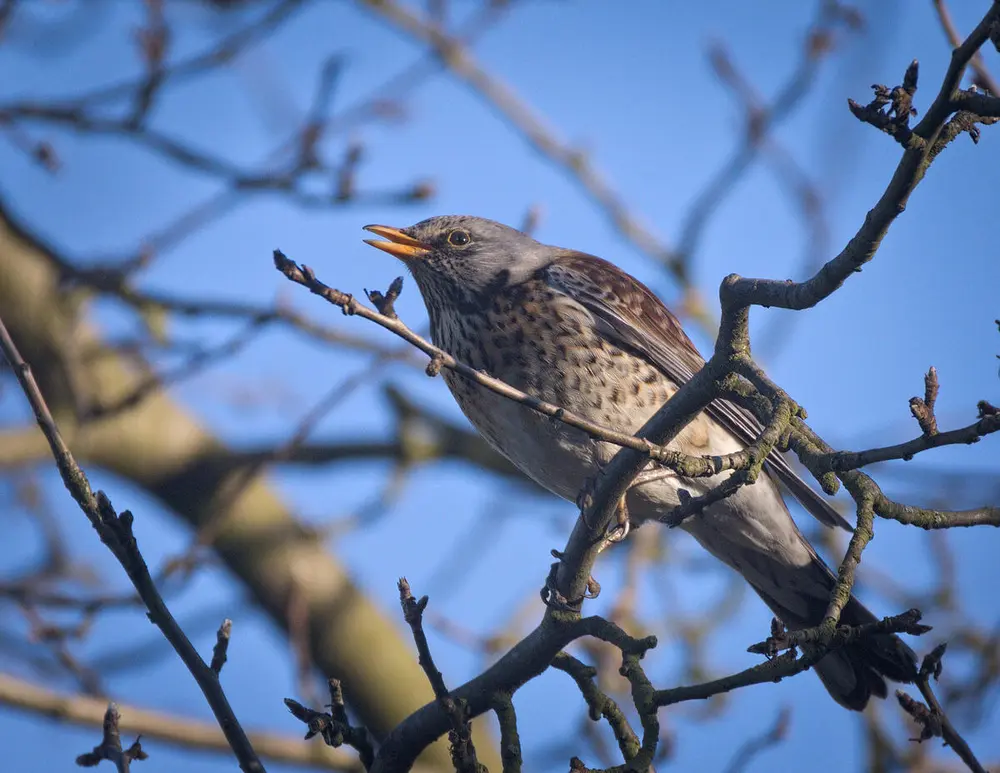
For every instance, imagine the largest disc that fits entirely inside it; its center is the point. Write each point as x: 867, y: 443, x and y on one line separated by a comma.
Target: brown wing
x: 630, y: 315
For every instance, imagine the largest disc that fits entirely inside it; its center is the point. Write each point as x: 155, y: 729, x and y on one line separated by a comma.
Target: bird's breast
x: 546, y: 345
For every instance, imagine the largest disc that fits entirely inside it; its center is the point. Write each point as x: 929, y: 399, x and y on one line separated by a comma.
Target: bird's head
x: 460, y: 259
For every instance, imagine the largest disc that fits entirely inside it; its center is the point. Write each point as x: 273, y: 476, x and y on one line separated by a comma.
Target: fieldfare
x: 574, y: 330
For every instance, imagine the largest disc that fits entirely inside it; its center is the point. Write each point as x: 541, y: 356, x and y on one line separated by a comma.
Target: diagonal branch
x: 115, y: 531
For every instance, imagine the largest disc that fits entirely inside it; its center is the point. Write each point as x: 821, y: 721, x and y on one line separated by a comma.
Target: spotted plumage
x: 574, y: 330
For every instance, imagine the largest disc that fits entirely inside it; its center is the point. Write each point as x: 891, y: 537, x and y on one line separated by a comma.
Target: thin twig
x: 334, y: 727
x: 463, y: 752
x: 771, y: 737
x: 110, y: 747
x: 932, y: 717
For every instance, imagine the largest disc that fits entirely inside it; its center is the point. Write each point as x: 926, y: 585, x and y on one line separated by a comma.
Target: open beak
x: 399, y: 245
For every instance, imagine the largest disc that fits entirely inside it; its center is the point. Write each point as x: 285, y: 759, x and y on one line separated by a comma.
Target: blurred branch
x: 180, y: 731
x: 56, y: 638
x: 981, y: 75
x: 116, y: 533
x: 195, y: 364
x: 82, y: 114
x: 254, y: 315
x: 220, y: 53
x: 729, y: 370
x: 181, y: 477
x: 288, y: 177
x: 690, y: 466
x: 752, y: 748
x: 159, y: 447
x: 459, y: 60
x: 287, y: 180
x: 731, y: 348
x: 760, y: 119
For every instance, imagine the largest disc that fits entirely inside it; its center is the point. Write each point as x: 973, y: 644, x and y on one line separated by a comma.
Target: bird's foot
x: 553, y: 598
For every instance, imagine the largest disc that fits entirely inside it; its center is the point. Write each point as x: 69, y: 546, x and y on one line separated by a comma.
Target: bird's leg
x: 585, y: 499
x: 622, y: 526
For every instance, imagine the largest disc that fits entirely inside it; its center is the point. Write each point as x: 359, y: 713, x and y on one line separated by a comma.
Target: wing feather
x: 629, y: 314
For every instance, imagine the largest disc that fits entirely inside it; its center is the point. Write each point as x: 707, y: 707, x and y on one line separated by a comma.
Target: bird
x: 574, y: 330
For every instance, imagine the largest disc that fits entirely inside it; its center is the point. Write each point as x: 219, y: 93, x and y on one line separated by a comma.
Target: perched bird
x: 574, y: 330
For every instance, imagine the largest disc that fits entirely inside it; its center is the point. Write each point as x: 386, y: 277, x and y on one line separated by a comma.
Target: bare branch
x: 931, y: 717
x: 110, y: 747
x: 691, y: 466
x: 115, y: 532
x: 463, y: 752
x: 510, y: 740
x: 737, y: 292
x: 335, y: 727
x: 599, y: 703
x: 460, y: 61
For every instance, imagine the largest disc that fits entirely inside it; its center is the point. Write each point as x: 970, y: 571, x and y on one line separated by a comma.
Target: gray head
x: 461, y: 259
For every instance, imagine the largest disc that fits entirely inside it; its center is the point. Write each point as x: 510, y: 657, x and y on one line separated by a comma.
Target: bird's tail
x: 855, y: 672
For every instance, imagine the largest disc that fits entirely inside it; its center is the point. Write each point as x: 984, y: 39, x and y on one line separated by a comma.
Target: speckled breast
x: 544, y: 343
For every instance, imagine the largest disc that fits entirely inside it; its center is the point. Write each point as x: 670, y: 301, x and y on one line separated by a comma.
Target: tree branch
x: 115, y: 531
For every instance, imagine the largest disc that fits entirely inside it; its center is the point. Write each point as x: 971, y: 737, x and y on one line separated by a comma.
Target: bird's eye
x: 459, y: 238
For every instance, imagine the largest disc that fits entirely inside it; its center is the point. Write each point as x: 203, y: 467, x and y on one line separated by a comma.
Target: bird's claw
x: 551, y: 596
x: 554, y: 599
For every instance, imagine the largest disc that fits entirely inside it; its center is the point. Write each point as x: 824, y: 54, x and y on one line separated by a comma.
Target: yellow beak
x: 399, y: 245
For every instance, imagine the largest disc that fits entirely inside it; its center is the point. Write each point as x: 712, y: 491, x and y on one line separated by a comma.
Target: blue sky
x: 634, y: 90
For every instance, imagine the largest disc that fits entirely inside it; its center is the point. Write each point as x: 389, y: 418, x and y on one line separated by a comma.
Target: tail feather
x: 854, y: 673
x: 753, y: 533
x: 868, y: 662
